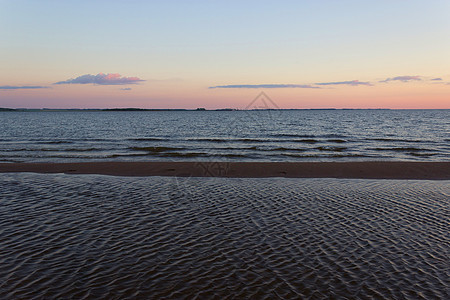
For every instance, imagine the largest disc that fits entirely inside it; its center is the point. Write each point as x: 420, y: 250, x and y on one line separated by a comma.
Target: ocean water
x: 258, y: 135
x: 91, y: 236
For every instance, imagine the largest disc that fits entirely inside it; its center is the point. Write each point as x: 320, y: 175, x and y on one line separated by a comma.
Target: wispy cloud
x: 264, y: 86
x: 319, y: 85
x: 22, y: 87
x: 126, y: 89
x: 351, y: 82
x: 403, y: 79
x: 102, y: 79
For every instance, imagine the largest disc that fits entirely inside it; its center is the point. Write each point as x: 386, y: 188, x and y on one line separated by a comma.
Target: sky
x: 223, y: 54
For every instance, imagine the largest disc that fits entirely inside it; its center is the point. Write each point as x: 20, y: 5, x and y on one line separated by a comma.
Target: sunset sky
x: 222, y: 54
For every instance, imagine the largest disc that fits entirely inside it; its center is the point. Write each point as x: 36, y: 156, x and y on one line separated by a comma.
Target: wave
x: 216, y: 140
x: 293, y: 135
x: 402, y: 149
x: 126, y: 154
x: 303, y: 141
x: 259, y: 148
x: 54, y: 142
x: 336, y: 138
x: 180, y: 154
x: 421, y: 154
x: 230, y: 140
x: 156, y: 149
x: 251, y: 140
x: 234, y: 148
x: 73, y: 150
x: 230, y: 155
x: 56, y: 150
x: 58, y: 142
x: 333, y: 135
x: 200, y: 154
x: 147, y: 139
x: 398, y: 140
x: 324, y: 155
x: 308, y: 141
x: 338, y: 141
x: 256, y: 140
x: 287, y: 149
x: 6, y: 160
x: 16, y: 150
x: 72, y: 140
x: 335, y: 149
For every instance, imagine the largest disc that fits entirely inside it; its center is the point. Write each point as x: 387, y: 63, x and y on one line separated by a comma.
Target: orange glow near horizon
x: 188, y: 96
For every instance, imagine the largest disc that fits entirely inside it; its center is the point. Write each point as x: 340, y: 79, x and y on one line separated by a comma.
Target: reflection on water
x: 89, y: 236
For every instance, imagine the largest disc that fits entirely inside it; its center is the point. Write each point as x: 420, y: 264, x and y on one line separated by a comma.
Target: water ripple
x: 89, y: 236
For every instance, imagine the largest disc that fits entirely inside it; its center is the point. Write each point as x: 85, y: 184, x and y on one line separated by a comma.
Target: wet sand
x: 360, y: 170
x: 111, y: 237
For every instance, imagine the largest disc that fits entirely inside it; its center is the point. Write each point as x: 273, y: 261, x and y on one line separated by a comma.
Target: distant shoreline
x: 356, y: 170
x: 132, y: 109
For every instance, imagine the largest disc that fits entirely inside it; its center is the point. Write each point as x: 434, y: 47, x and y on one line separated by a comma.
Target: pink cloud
x: 102, y: 79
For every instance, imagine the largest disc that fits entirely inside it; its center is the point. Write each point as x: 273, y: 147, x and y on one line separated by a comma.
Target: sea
x: 244, y: 135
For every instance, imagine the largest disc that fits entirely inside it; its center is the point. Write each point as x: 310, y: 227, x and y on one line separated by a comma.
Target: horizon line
x: 203, y: 109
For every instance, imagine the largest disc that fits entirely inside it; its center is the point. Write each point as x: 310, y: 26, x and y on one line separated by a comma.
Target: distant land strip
x: 3, y: 109
x: 362, y: 170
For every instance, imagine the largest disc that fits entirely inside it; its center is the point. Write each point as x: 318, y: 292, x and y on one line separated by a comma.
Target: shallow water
x: 92, y: 236
x: 286, y: 135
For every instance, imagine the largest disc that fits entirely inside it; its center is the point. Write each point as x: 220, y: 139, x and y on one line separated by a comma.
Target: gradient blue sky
x: 303, y: 54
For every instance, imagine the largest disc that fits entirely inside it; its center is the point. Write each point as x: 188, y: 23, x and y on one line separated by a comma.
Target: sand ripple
x: 84, y: 236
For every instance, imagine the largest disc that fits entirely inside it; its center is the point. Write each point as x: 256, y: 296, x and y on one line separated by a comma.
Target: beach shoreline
x: 356, y: 170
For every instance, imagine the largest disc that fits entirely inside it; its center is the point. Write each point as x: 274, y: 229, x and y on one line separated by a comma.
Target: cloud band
x: 24, y: 87
x: 403, y: 79
x: 351, y: 82
x: 264, y: 86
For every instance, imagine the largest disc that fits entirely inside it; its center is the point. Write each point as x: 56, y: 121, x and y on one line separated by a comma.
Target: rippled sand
x: 91, y: 236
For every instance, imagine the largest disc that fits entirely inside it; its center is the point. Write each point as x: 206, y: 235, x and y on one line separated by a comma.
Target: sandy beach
x: 362, y: 170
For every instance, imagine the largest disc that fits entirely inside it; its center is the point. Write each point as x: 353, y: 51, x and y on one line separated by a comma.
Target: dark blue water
x: 104, y: 237
x: 297, y: 135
